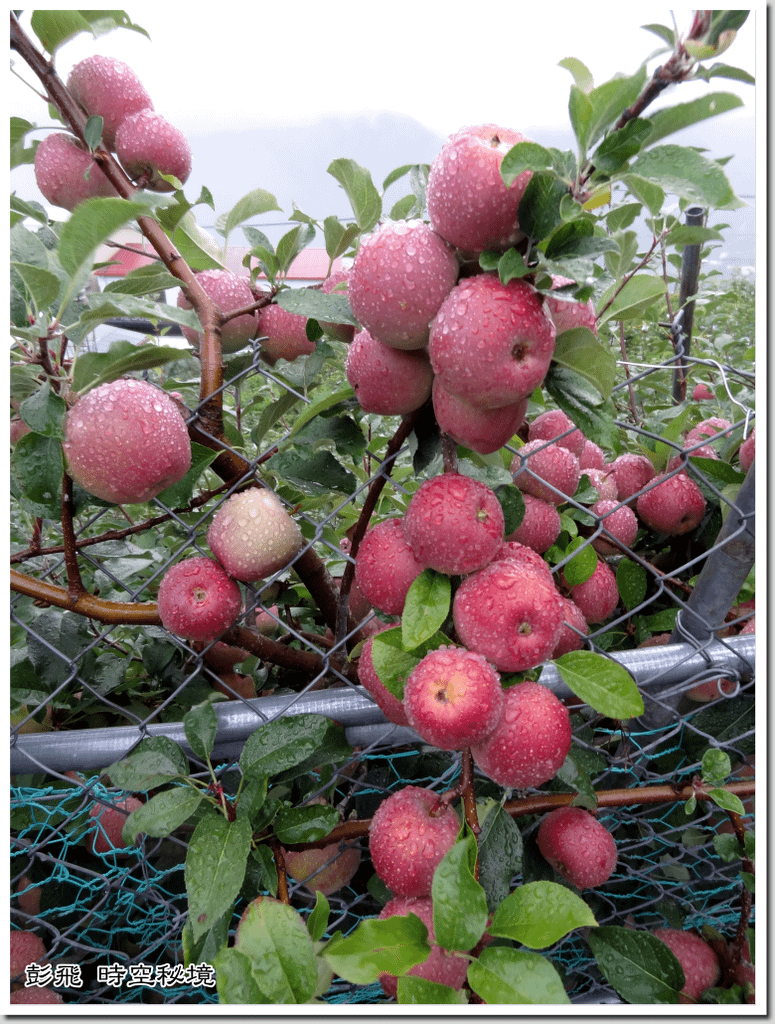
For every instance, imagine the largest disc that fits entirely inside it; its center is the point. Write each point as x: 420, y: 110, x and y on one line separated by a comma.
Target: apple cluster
x: 125, y: 442
x: 149, y: 148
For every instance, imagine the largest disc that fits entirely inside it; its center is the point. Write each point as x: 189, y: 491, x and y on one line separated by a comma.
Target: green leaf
x: 333, y: 307
x: 539, y: 208
x: 580, y: 112
x: 215, y: 867
x: 37, y: 468
x: 611, y: 98
x: 394, y: 944
x: 681, y: 115
x: 360, y: 190
x: 200, y: 725
x: 727, y: 801
x: 94, y: 368
x: 639, y: 966
x: 631, y: 300
x: 291, y: 244
x: 500, y: 855
x: 583, y: 403
x: 90, y: 224
x: 503, y: 975
x: 338, y: 237
x: 393, y: 663
x: 687, y: 174
x: 631, y: 582
x: 525, y: 156
x: 511, y: 265
x: 601, y: 683
x: 275, y: 940
x: 163, y: 813
x: 582, y: 76
x: 237, y: 982
x: 426, y: 607
x: 317, y: 922
x: 42, y: 286
x: 412, y: 990
x: 147, y: 280
x: 538, y: 914
x: 648, y: 192
x: 320, y: 470
x: 283, y: 744
x: 331, y: 396
x: 198, y: 248
x: 155, y: 760
x: 579, y: 569
x: 254, y: 203
x: 53, y: 28
x: 618, y: 147
x: 305, y: 824
x: 459, y: 901
x: 513, y: 504
x: 115, y: 304
x: 44, y: 412
x: 582, y: 352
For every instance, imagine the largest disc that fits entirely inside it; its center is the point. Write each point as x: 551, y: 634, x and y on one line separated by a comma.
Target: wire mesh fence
x: 85, y: 693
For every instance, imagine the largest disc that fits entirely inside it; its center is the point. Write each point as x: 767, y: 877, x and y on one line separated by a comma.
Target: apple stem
x: 449, y: 453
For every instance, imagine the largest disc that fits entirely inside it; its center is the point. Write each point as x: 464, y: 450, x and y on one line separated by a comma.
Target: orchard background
x: 164, y: 781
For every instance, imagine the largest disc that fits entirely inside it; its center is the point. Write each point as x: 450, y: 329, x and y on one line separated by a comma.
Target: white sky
x: 446, y: 63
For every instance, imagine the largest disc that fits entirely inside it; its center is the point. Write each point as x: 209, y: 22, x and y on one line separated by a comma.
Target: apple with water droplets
x: 284, y: 334
x: 577, y: 846
x: 469, y: 204
x: 387, y: 380
x: 482, y: 430
x: 386, y: 566
x: 698, y: 961
x: 491, y: 343
x: 390, y: 706
x: 198, y: 600
x: 400, y: 276
x: 253, y: 536
x: 454, y: 524
x: 409, y: 835
x: 110, y: 89
x: 546, y: 470
x: 229, y: 292
x: 540, y: 526
x: 530, y: 742
x: 66, y: 172
x: 453, y: 698
x: 149, y: 147
x: 107, y: 836
x: 510, y: 613
x: 673, y: 504
x: 126, y: 441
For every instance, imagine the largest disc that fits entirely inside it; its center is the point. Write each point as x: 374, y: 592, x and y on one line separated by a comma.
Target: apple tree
x: 425, y: 479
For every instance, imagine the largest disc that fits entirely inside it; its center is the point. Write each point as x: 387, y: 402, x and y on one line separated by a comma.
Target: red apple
x: 673, y: 505
x: 577, y: 846
x: 482, y: 430
x: 110, y: 89
x: 454, y: 524
x: 66, y: 173
x: 469, y: 204
x: 229, y: 292
x: 441, y: 966
x: 509, y: 613
x: 126, y: 441
x: 197, y: 600
x: 148, y: 147
x: 491, y: 344
x: 401, y: 275
x: 385, y: 566
x: 546, y: 470
x: 387, y: 380
x: 285, y: 334
x: 409, y: 835
x: 453, y: 698
x: 530, y: 742
x: 107, y: 835
x: 540, y: 526
x: 700, y: 964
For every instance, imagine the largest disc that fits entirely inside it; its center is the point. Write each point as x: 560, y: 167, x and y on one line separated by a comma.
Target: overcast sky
x: 446, y: 63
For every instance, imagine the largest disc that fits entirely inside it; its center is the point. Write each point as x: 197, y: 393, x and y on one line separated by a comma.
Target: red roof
x: 309, y: 265
x: 122, y: 261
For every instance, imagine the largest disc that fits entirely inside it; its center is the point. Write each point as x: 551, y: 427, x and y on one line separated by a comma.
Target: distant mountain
x: 291, y: 161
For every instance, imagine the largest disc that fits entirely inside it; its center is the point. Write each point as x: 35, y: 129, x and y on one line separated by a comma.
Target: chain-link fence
x: 86, y: 692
